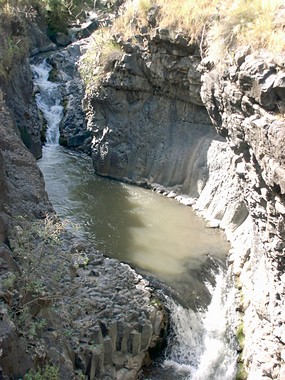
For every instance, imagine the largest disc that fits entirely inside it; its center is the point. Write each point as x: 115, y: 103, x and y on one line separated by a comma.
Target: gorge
x: 156, y: 114
x: 151, y: 233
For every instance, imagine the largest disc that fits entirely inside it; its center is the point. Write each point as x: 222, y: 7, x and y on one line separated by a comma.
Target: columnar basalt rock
x: 146, y: 117
x: 150, y: 127
x: 99, y: 319
x: 114, y: 324
x: 102, y: 315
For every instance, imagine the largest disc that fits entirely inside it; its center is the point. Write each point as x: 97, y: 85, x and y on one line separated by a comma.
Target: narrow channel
x: 158, y: 237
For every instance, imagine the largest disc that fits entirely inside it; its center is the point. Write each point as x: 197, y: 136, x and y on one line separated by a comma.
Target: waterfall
x: 201, y: 347
x: 48, y: 98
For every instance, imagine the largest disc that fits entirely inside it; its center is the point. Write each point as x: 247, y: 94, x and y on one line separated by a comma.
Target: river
x: 158, y: 236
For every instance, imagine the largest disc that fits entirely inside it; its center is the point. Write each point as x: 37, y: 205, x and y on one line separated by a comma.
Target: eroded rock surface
x: 114, y: 324
x: 62, y: 304
x: 245, y: 103
x: 73, y: 130
x: 146, y: 117
x: 26, y: 32
x: 150, y: 127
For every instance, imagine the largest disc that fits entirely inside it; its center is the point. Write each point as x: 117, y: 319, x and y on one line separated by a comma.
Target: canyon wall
x: 24, y: 32
x: 149, y: 126
x: 245, y: 101
x: 66, y: 311
x: 162, y: 118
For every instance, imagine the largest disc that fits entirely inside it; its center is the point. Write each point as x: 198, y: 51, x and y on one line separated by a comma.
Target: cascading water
x: 199, y: 345
x: 48, y: 100
x: 203, y: 348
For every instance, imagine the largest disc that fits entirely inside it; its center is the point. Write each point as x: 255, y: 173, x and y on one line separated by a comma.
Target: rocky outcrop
x: 22, y: 190
x: 245, y: 102
x: 95, y: 317
x: 117, y: 320
x: 65, y: 309
x: 22, y: 195
x: 147, y: 120
x: 150, y: 128
x: 73, y: 130
x: 24, y: 33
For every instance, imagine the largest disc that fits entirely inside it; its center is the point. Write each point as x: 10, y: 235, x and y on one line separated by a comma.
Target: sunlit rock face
x: 245, y: 103
x: 147, y: 118
x: 150, y: 127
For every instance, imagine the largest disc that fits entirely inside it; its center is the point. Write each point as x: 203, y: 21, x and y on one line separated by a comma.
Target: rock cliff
x: 148, y: 123
x: 150, y: 127
x: 66, y: 311
x: 245, y: 101
x: 160, y: 117
x: 24, y: 32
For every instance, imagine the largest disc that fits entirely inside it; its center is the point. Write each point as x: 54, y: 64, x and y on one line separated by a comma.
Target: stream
x: 159, y: 237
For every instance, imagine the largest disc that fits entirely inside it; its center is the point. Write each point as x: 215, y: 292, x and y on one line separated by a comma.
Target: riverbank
x: 67, y: 311
x: 150, y: 113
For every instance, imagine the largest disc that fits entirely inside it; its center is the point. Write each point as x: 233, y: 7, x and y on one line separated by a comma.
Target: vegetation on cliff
x: 18, y: 16
x: 218, y: 27
x: 103, y: 49
x: 227, y: 24
x: 31, y: 293
x: 14, y: 43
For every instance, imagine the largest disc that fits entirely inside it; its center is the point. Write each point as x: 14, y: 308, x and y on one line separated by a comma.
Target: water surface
x: 153, y: 233
x: 159, y: 237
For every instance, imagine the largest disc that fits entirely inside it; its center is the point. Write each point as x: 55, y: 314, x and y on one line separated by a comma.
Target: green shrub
x: 49, y: 372
x: 34, y: 246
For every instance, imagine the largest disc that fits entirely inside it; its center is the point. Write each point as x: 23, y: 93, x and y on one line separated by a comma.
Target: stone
x: 97, y: 364
x: 73, y: 129
x: 136, y: 342
x: 161, y: 118
x: 108, y: 350
x: 279, y: 85
x: 13, y: 359
x: 241, y: 55
x: 259, y: 166
x: 82, y: 326
x: 146, y: 335
x: 62, y: 39
x: 214, y: 223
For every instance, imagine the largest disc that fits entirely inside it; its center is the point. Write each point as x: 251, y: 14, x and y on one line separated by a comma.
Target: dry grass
x: 190, y: 16
x: 249, y: 23
x: 133, y: 16
x: 228, y: 23
x: 100, y: 57
x: 224, y: 24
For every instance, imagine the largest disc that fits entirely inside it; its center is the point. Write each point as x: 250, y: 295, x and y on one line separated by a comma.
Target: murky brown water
x: 138, y: 226
x: 160, y: 238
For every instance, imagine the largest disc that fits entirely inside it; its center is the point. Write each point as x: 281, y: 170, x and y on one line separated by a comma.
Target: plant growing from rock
x: 35, y: 246
x: 226, y: 24
x: 49, y: 372
x: 101, y: 56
